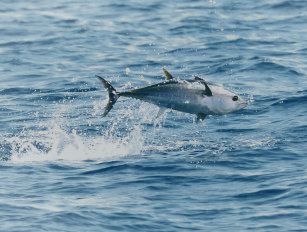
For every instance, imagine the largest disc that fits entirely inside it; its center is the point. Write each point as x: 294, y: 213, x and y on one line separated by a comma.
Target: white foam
x: 255, y: 143
x: 70, y: 146
x: 57, y: 142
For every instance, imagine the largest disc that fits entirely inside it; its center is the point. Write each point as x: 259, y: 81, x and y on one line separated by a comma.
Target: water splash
x: 58, y: 144
x: 57, y: 141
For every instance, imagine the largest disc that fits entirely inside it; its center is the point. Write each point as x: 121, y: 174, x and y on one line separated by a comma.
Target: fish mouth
x: 243, y: 104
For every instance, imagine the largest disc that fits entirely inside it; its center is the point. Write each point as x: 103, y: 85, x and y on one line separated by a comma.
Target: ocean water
x: 66, y: 168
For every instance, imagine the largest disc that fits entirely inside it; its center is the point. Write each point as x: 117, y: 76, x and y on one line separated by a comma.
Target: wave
x: 291, y: 101
x: 39, y: 42
x: 21, y: 91
x: 272, y: 66
x: 289, y: 5
x: 260, y: 194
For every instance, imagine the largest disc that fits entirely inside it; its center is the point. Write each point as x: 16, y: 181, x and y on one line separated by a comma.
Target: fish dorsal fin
x: 208, y: 91
x: 196, y: 78
x: 168, y: 76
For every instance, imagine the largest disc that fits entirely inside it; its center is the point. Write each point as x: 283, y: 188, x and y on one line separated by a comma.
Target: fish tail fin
x: 113, y: 95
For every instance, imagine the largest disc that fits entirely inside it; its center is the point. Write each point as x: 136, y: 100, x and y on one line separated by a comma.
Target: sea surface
x: 64, y: 167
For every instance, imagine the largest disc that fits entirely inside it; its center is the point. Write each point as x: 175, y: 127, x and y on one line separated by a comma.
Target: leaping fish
x: 194, y: 96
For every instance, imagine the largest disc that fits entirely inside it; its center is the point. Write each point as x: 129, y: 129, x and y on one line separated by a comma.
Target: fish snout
x: 243, y: 104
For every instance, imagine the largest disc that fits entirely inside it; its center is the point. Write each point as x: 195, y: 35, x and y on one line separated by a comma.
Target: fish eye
x: 235, y: 98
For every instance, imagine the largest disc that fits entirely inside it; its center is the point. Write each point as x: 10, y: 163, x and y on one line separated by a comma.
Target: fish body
x: 190, y: 96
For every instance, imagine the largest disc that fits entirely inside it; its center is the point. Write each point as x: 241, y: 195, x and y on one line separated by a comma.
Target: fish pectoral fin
x: 161, y: 111
x: 201, y: 117
x: 208, y: 91
x: 168, y: 76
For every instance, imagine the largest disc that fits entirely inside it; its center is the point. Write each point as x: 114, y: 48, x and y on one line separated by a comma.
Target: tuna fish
x: 194, y: 96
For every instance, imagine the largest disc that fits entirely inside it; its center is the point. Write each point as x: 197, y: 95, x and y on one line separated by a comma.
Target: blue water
x: 66, y: 168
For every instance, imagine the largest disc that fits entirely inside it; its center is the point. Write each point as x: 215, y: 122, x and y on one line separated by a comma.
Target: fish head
x: 234, y: 102
x: 224, y: 101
